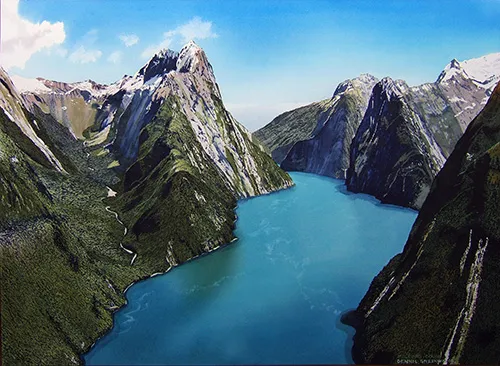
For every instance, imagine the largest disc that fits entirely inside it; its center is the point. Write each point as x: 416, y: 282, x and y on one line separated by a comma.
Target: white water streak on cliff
x: 420, y: 251
x: 379, y: 298
x: 466, y: 253
x: 467, y: 312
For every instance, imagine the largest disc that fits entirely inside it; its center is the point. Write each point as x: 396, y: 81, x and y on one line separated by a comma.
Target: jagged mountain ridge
x: 443, y: 110
x: 468, y: 85
x: 177, y: 162
x: 394, y: 155
x: 437, y: 299
x: 125, y: 107
x: 327, y: 153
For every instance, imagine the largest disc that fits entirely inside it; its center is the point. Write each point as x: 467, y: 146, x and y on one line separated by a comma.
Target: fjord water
x: 304, y: 256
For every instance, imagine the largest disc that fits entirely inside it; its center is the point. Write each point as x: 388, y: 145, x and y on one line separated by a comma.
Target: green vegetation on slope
x: 61, y: 267
x: 166, y: 195
x: 435, y: 277
x: 290, y: 127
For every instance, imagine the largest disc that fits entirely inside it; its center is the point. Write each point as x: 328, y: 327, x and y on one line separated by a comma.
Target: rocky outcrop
x: 399, y: 168
x: 394, y: 156
x: 327, y: 153
x: 436, y: 301
x: 201, y: 157
x: 117, y: 113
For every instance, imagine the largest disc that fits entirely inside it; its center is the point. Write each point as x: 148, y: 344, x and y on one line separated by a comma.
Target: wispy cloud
x: 85, y: 52
x: 115, y: 57
x: 22, y: 38
x: 129, y: 39
x: 83, y: 56
x: 196, y: 28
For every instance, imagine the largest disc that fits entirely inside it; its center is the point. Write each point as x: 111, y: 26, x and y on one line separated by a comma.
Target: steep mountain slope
x: 290, y: 127
x: 400, y: 172
x: 178, y: 162
x: 191, y: 159
x: 443, y: 108
x: 394, y: 156
x: 437, y: 299
x: 467, y: 85
x: 58, y: 276
x: 74, y: 105
x: 434, y: 108
x: 125, y: 107
x: 327, y: 153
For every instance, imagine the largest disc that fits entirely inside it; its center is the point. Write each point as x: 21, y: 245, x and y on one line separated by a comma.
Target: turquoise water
x: 304, y: 256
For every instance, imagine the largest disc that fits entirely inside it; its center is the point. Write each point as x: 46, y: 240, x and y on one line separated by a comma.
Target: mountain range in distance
x: 384, y: 137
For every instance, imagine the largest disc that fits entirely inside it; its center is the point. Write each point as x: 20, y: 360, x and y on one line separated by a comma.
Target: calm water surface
x: 304, y: 256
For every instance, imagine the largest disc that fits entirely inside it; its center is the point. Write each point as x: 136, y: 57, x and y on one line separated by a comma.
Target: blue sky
x: 268, y: 56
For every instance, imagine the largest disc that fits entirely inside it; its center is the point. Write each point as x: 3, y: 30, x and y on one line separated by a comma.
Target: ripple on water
x: 305, y: 256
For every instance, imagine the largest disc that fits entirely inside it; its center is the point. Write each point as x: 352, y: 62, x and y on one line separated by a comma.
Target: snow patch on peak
x: 161, y: 63
x: 393, y: 89
x: 189, y: 57
x: 190, y: 45
x: 363, y: 81
x: 29, y: 85
x: 483, y: 71
x: 483, y: 68
x: 167, y: 53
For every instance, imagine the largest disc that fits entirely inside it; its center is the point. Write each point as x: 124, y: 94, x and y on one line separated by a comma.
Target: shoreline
x: 144, y: 278
x: 354, y: 319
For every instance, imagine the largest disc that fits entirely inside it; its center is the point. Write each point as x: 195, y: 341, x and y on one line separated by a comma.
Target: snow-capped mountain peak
x: 483, y: 71
x: 363, y: 82
x: 25, y: 84
x: 190, y: 56
x: 394, y: 89
x: 161, y: 63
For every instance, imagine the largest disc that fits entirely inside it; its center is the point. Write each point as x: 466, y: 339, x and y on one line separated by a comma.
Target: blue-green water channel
x: 304, y: 256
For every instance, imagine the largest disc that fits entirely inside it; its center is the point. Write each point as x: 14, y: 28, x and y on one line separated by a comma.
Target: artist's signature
x: 422, y: 360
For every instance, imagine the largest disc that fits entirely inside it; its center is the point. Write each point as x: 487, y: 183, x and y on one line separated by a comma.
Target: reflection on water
x: 305, y: 256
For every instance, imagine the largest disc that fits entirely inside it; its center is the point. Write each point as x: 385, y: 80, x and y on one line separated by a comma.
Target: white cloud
x: 115, y: 57
x: 85, y: 52
x: 22, y: 38
x: 129, y: 39
x: 90, y: 37
x: 84, y: 56
x: 196, y: 28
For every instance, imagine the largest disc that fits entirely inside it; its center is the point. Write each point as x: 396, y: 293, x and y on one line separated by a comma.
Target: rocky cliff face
x: 285, y: 130
x: 394, y: 155
x: 177, y: 162
x: 444, y: 109
x: 433, y: 118
x: 467, y: 85
x: 123, y: 109
x: 437, y: 300
x: 327, y: 153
